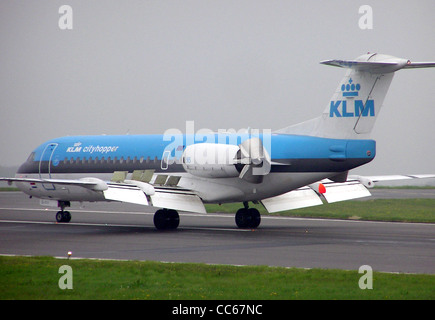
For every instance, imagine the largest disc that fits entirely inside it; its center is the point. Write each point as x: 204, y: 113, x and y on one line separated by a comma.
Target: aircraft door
x: 45, y: 165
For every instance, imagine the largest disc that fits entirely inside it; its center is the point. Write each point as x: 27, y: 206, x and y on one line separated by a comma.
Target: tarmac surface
x: 126, y: 231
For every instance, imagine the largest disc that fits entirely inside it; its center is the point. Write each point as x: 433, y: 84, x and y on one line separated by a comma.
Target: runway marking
x: 228, y: 215
x: 119, y: 225
x: 69, y: 223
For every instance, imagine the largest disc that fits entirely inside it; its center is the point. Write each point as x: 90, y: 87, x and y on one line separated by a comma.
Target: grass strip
x: 400, y: 210
x: 38, y: 278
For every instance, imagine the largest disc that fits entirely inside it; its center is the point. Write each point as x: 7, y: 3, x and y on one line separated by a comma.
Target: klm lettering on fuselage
x: 352, y: 108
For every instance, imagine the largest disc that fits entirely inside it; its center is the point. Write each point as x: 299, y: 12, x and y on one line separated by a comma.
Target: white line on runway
x: 119, y: 225
x: 229, y: 215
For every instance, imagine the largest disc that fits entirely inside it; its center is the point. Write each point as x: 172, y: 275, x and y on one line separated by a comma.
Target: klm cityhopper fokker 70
x: 299, y: 166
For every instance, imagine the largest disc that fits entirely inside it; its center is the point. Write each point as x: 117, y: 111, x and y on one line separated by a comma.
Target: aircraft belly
x: 238, y: 190
x: 218, y: 190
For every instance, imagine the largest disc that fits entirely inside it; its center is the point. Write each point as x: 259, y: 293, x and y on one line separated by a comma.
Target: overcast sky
x: 143, y: 67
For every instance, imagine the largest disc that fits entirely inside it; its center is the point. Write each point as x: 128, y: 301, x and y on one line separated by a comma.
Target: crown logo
x: 350, y: 89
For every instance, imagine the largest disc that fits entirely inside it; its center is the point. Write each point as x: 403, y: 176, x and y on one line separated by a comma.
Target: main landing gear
x: 248, y: 218
x: 169, y: 219
x: 166, y: 219
x: 63, y: 216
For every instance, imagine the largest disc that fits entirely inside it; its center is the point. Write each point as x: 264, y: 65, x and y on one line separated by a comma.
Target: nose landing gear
x: 63, y: 216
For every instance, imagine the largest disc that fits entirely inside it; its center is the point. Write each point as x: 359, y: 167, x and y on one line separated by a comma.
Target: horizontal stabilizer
x: 359, y: 65
x: 414, y: 65
x: 378, y: 63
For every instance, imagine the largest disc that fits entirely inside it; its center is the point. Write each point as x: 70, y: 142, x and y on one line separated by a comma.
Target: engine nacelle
x: 211, y: 160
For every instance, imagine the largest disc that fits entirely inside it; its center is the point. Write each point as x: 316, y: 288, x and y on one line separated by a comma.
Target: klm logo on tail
x: 351, y: 107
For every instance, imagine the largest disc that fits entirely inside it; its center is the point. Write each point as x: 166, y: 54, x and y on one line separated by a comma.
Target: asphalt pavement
x: 126, y: 231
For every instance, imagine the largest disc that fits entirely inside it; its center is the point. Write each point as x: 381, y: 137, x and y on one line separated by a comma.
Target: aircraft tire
x: 63, y: 216
x: 254, y: 218
x: 248, y: 218
x: 159, y: 219
x: 165, y: 219
x: 59, y: 216
x: 173, y: 219
x: 66, y: 216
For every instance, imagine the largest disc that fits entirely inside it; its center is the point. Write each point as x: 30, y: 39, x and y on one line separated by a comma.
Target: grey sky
x: 143, y: 67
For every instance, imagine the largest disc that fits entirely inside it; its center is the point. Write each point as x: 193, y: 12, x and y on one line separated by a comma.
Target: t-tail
x: 355, y: 105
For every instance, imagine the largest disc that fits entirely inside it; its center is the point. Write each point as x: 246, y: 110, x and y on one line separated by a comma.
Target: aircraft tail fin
x: 357, y: 101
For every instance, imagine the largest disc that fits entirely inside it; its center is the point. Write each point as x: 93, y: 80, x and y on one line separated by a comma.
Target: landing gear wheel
x: 173, y: 219
x: 59, y: 216
x: 165, y: 219
x: 63, y: 216
x: 254, y: 218
x: 248, y: 218
x: 66, y: 216
x: 242, y: 218
x: 159, y: 219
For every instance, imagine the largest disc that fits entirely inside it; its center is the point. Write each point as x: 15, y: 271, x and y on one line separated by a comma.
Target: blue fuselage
x: 296, y: 160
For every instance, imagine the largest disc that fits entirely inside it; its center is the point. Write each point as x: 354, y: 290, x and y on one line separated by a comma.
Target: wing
x: 162, y: 196
x: 166, y: 194
x: 313, y: 195
x: 90, y: 183
x: 374, y: 179
x: 329, y: 191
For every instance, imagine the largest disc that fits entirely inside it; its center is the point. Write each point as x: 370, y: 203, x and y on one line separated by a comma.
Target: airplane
x: 302, y: 165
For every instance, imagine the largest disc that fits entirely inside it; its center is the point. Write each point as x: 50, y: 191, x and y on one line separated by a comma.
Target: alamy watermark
x: 366, y: 280
x: 65, y: 21
x: 226, y: 147
x: 66, y: 280
x: 365, y: 21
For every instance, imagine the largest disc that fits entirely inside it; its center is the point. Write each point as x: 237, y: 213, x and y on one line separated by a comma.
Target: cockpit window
x: 31, y: 157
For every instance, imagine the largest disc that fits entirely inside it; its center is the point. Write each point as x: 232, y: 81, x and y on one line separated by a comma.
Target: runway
x: 124, y: 231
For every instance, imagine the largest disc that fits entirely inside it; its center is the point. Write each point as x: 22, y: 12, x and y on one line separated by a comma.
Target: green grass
x: 5, y: 189
x: 406, y: 187
x: 37, y: 278
x: 403, y: 210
